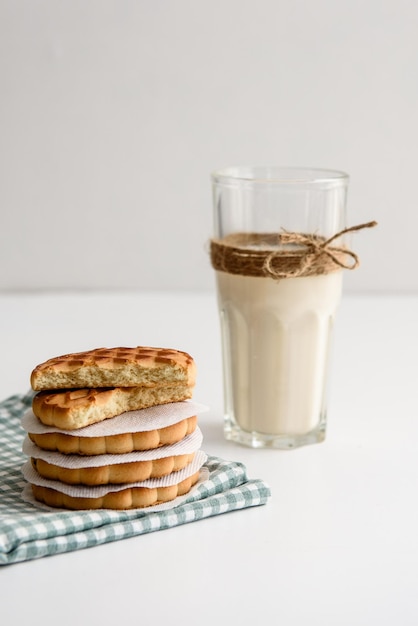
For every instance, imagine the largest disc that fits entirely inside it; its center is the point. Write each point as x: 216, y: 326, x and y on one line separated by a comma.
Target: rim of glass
x: 262, y: 174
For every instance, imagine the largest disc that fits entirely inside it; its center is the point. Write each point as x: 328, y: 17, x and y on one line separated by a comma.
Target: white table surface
x: 337, y: 544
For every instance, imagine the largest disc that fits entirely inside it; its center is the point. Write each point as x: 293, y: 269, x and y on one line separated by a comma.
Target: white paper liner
x: 144, y: 420
x: 27, y: 496
x: 187, y: 445
x: 82, y: 491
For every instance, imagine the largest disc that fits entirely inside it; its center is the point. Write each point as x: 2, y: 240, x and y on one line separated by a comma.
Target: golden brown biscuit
x: 130, y: 498
x: 76, y: 408
x: 115, y: 444
x: 115, y: 367
x: 116, y: 474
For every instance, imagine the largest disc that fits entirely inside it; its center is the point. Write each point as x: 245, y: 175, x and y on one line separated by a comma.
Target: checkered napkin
x: 27, y: 532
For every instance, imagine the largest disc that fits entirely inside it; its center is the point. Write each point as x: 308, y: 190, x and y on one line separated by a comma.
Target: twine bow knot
x: 315, y: 247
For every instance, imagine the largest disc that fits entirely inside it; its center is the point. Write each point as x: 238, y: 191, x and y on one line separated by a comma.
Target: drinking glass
x: 279, y: 284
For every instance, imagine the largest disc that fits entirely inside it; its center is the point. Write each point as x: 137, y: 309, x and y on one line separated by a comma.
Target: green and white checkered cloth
x: 28, y: 532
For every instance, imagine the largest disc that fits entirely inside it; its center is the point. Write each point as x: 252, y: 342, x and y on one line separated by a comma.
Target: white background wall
x: 113, y: 114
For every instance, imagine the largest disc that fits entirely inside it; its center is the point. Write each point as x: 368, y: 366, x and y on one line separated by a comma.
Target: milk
x: 276, y: 343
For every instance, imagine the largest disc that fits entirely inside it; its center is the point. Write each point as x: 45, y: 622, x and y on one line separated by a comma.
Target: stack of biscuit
x: 122, y: 393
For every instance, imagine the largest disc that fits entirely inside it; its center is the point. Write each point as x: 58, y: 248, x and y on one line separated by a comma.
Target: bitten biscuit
x: 130, y: 498
x: 115, y: 367
x: 76, y: 408
x: 115, y: 444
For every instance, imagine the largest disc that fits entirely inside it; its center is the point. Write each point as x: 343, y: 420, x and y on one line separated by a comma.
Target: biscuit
x: 76, y: 408
x: 115, y: 444
x: 117, y: 474
x: 115, y: 367
x: 130, y: 498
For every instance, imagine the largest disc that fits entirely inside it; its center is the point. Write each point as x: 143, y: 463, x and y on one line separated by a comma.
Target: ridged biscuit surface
x: 115, y: 444
x: 130, y: 498
x: 115, y: 367
x: 76, y: 408
x: 116, y: 474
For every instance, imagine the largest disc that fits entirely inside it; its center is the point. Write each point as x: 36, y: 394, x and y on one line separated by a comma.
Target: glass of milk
x: 276, y: 327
